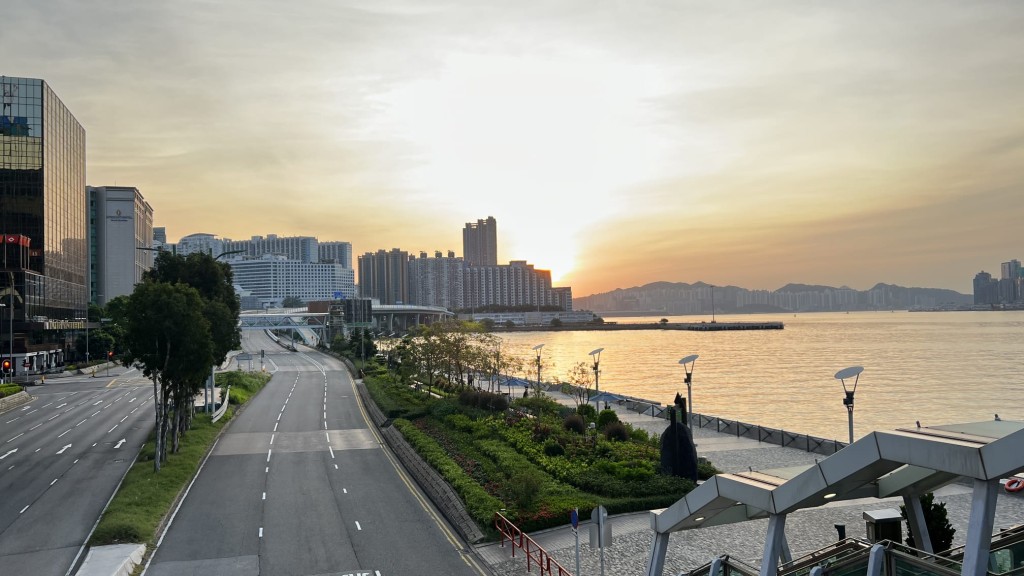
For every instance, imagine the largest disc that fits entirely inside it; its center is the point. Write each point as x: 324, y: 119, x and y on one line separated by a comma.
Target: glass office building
x: 42, y: 209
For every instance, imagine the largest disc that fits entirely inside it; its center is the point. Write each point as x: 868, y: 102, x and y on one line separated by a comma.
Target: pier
x: 608, y: 326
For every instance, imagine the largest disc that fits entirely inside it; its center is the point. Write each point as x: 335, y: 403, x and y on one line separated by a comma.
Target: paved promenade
x: 806, y: 530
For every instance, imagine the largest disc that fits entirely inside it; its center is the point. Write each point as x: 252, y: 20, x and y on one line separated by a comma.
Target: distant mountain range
x: 680, y: 298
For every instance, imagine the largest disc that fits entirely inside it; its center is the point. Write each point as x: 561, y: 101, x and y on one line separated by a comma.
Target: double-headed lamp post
x: 538, y: 349
x: 842, y: 376
x: 688, y: 363
x: 596, y: 355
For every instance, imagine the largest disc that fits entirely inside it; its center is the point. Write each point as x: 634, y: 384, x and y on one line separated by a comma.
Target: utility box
x: 885, y: 524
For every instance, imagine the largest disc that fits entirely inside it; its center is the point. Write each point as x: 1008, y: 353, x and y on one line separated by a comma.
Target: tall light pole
x: 842, y: 375
x: 688, y: 363
x: 596, y: 356
x: 538, y: 348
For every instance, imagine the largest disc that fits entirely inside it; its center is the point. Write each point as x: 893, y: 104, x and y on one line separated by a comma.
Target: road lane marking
x: 123, y: 419
x: 61, y: 406
x: 80, y: 423
x: 345, y: 490
x: 9, y: 421
x: 267, y: 470
x: 268, y: 455
x: 45, y: 405
x: 66, y: 446
x: 272, y: 439
x: 358, y: 527
x: 112, y: 429
x: 332, y: 451
x: 15, y: 438
x: 54, y: 482
x: 132, y: 400
x: 136, y: 408
x: 64, y: 432
x: 23, y: 509
x: 261, y: 531
x: 278, y: 417
x: 335, y: 466
x: 36, y: 410
x: 34, y: 427
x: 8, y: 454
x: 52, y: 417
x: 275, y: 427
x: 94, y: 413
x: 119, y: 442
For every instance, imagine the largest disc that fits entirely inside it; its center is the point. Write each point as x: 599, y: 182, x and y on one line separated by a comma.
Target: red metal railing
x: 535, y: 555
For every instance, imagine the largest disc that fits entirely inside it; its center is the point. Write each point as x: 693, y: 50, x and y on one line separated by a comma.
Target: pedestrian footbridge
x: 907, y: 463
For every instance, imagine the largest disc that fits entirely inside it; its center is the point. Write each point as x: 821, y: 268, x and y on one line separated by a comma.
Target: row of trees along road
x: 178, y: 322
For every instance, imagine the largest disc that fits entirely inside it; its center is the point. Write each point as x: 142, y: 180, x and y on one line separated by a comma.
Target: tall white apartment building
x: 514, y: 284
x: 337, y: 252
x: 271, y: 279
x: 301, y: 248
x: 121, y: 222
x: 437, y: 281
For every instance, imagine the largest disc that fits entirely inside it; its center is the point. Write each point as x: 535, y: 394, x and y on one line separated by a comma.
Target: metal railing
x: 535, y: 555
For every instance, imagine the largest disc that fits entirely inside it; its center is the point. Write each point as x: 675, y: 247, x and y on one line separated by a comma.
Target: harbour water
x: 932, y: 367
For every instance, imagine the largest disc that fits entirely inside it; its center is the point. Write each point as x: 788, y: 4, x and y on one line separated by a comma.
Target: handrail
x: 535, y: 554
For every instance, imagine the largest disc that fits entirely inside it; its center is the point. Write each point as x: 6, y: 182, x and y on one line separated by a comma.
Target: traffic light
x: 7, y: 364
x: 110, y: 355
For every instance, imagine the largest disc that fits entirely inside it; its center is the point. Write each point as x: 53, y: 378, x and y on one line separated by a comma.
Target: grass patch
x: 145, y: 496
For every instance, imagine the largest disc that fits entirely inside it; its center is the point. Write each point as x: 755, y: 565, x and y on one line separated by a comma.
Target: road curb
x: 13, y: 401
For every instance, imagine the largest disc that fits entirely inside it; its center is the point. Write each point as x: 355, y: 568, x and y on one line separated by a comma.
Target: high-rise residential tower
x: 480, y: 242
x: 384, y: 275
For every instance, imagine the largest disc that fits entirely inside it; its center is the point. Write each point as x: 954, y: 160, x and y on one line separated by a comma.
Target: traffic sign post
x: 600, y: 532
x: 574, y: 518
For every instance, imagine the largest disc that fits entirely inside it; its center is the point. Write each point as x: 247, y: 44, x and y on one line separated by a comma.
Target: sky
x: 616, y: 143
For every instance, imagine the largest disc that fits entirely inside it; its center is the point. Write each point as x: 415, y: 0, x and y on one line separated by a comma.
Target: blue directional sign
x: 574, y: 518
x: 337, y: 294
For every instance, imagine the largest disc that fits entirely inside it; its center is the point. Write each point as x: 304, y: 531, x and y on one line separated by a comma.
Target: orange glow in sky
x: 616, y: 144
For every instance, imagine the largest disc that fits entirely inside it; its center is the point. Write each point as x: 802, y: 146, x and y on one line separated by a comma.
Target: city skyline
x: 735, y: 143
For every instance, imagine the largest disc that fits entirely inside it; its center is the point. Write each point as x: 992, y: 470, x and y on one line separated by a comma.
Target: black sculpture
x: 678, y: 453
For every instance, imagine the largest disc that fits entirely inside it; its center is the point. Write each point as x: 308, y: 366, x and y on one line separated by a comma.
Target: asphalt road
x: 61, y: 457
x: 299, y: 484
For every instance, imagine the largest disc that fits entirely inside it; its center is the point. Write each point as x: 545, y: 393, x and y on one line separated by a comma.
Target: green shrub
x: 606, y: 417
x: 524, y: 488
x: 616, y: 431
x: 639, y: 435
x: 705, y: 469
x: 443, y: 408
x: 552, y: 448
x: 575, y: 423
x: 537, y: 405
x: 9, y: 390
x: 587, y: 411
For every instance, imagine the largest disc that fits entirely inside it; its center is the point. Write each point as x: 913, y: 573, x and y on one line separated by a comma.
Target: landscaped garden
x: 531, y: 458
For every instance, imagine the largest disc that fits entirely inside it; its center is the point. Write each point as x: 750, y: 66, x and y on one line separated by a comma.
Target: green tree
x: 556, y: 323
x: 168, y: 334
x: 292, y: 302
x: 213, y: 280
x: 940, y: 531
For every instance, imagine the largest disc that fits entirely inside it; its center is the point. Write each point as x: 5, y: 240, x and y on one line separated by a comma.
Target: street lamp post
x: 688, y: 363
x: 842, y: 376
x: 538, y: 349
x: 596, y: 355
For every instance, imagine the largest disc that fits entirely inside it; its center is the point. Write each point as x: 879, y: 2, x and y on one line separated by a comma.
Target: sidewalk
x: 806, y: 530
